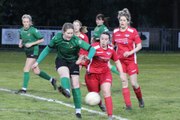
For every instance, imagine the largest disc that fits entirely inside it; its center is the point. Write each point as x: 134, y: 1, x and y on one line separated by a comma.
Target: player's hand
x: 123, y: 76
x: 127, y: 54
x: 28, y: 45
x: 20, y: 45
x: 82, y: 60
x: 34, y: 65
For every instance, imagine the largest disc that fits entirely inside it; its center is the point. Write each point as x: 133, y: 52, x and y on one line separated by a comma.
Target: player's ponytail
x: 125, y: 12
x: 84, y: 29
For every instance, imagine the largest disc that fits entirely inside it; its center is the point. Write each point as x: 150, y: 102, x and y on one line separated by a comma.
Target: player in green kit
x: 30, y: 38
x: 67, y: 46
x: 100, y: 28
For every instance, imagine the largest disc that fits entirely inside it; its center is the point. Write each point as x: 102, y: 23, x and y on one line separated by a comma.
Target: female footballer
x: 99, y: 29
x: 128, y: 44
x: 67, y: 46
x: 79, y: 31
x: 30, y: 38
x: 98, y: 76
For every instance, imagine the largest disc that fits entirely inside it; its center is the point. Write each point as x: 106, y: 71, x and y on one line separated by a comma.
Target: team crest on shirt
x: 126, y: 35
x: 108, y: 53
x: 28, y: 34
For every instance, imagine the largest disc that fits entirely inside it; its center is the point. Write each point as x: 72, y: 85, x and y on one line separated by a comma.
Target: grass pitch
x: 159, y: 79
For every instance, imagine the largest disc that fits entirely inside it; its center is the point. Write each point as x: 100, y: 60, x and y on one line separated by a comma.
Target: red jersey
x: 125, y: 41
x: 86, y: 39
x: 99, y: 63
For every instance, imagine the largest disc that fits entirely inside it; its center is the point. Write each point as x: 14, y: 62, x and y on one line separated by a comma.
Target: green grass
x: 159, y: 79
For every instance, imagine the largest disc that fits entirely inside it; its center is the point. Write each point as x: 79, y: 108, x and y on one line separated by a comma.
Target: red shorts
x: 129, y: 67
x: 94, y: 81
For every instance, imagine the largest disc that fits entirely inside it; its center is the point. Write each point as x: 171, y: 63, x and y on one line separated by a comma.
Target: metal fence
x: 154, y: 39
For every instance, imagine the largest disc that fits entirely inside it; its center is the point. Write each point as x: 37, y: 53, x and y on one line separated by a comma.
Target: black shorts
x: 28, y: 55
x: 73, y: 68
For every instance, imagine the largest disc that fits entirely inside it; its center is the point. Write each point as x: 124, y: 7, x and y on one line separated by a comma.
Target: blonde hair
x: 27, y: 16
x: 83, y: 28
x: 125, y: 12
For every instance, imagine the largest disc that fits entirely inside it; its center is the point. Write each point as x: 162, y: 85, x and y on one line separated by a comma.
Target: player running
x: 98, y: 76
x: 30, y: 38
x: 128, y: 44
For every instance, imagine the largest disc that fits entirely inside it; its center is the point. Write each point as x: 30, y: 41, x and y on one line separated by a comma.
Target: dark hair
x: 107, y: 33
x: 67, y: 26
x: 102, y: 17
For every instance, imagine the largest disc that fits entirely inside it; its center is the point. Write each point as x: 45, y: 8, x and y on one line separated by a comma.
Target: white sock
x: 24, y: 88
x: 51, y: 79
x: 68, y: 90
x: 78, y: 110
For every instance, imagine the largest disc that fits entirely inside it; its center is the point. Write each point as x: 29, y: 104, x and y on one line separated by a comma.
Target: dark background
x: 145, y: 13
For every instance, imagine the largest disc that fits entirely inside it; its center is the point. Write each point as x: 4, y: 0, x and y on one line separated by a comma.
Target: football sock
x: 65, y: 83
x: 109, y: 105
x: 78, y: 111
x: 126, y: 95
x: 114, y: 70
x: 77, y: 97
x: 44, y: 75
x: 138, y: 93
x: 25, y: 80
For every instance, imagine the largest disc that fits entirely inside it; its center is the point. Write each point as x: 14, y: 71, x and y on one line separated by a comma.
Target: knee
x: 135, y: 85
x: 25, y: 69
x: 124, y: 83
x: 106, y: 93
x: 75, y: 85
x: 36, y: 71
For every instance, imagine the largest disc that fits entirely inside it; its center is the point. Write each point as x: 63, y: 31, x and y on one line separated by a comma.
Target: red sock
x: 109, y: 105
x: 138, y: 93
x: 126, y: 95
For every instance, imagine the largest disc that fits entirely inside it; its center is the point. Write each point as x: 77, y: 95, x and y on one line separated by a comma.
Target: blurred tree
x: 145, y: 13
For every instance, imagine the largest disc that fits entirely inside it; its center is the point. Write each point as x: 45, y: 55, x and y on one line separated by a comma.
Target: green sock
x: 114, y: 70
x: 77, y: 97
x: 26, y: 79
x: 44, y: 75
x: 65, y: 83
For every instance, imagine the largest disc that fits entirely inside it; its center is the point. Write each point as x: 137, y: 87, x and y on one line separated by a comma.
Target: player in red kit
x: 128, y: 44
x: 98, y: 76
x: 80, y: 31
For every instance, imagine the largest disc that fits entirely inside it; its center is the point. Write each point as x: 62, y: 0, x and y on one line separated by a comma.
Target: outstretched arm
x: 41, y: 57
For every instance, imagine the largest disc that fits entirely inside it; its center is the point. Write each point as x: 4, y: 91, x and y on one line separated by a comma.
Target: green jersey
x: 28, y: 36
x: 68, y: 49
x: 99, y: 30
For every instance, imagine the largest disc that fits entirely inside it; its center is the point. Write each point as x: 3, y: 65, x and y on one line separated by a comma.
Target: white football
x: 92, y: 98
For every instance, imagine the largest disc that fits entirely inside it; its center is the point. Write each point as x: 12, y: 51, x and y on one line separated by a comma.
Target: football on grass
x: 92, y: 98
